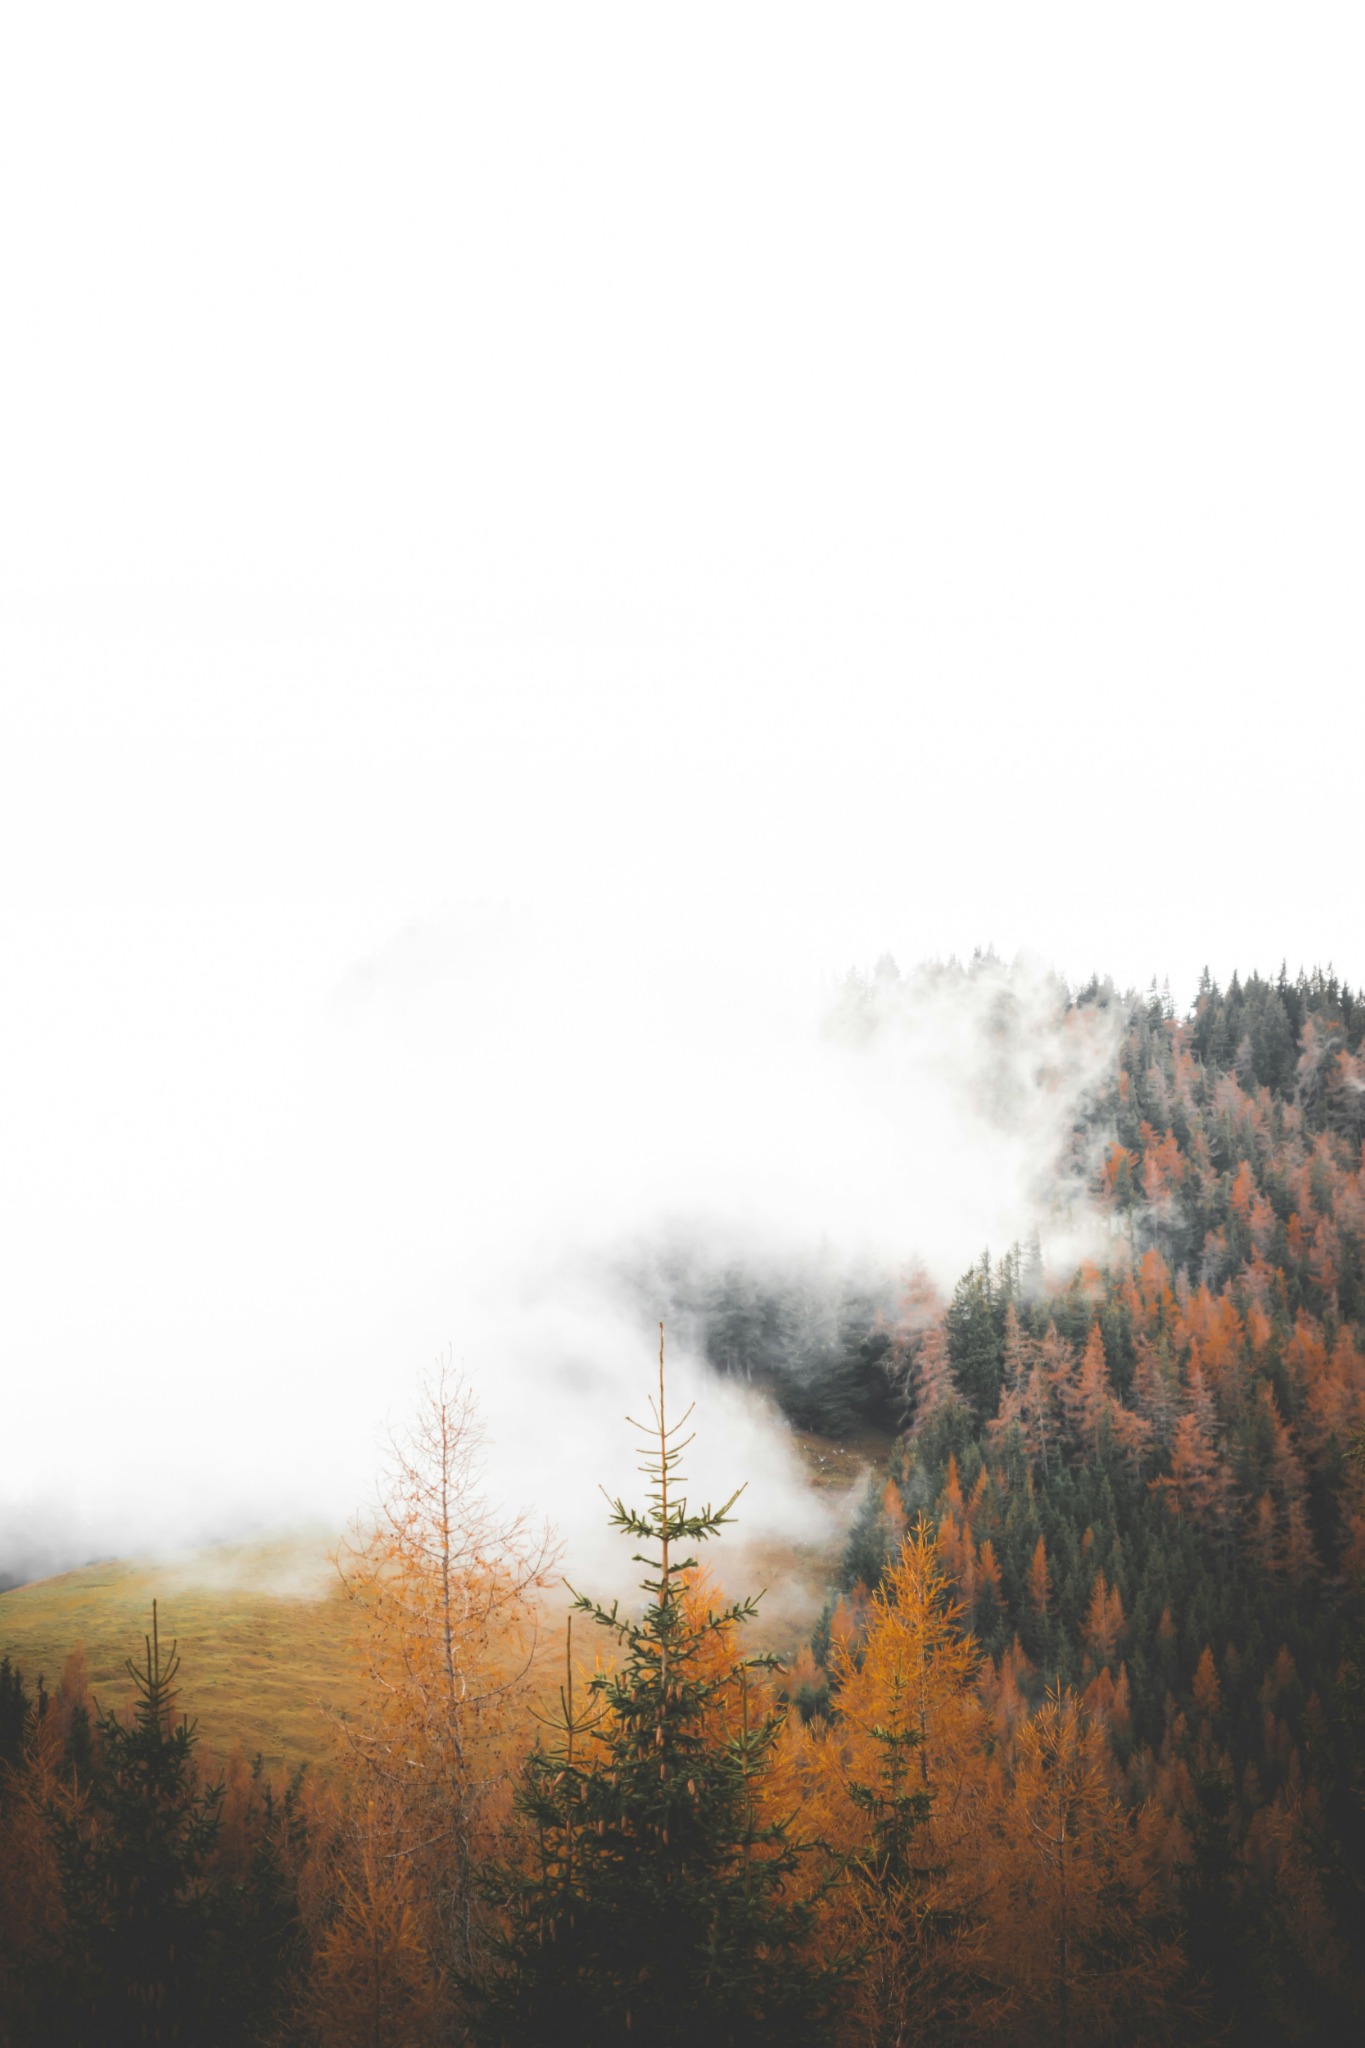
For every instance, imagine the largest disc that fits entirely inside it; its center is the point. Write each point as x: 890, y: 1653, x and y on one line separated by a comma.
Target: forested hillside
x: 1076, y: 1753
x: 1145, y: 1479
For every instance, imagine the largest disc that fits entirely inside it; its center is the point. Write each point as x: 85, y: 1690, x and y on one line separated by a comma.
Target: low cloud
x: 459, y: 1140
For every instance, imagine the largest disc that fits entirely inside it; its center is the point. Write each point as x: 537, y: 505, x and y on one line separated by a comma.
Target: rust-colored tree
x: 1072, y: 1932
x: 442, y: 1594
x: 897, y: 1784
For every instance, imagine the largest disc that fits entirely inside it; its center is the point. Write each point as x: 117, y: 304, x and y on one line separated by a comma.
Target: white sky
x: 731, y: 485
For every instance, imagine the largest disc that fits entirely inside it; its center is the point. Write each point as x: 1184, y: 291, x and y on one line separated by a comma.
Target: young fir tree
x: 654, y: 1904
x: 144, y: 1919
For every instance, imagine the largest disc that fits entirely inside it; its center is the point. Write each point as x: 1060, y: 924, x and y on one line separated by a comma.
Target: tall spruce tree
x: 655, y: 1904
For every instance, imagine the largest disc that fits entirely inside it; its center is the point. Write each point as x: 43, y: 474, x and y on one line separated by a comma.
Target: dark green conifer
x: 142, y: 1910
x: 974, y: 1345
x: 656, y: 1907
x: 14, y: 1712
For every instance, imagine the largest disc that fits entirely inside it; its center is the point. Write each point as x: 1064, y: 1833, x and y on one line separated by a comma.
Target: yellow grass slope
x: 264, y: 1630
x: 261, y: 1628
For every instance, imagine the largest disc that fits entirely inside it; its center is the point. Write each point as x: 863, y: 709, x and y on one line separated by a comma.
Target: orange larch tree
x: 442, y: 1594
x: 1072, y: 1932
x: 896, y: 1785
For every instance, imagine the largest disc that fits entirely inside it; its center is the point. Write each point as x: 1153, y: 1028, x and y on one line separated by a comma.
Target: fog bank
x: 281, y: 1180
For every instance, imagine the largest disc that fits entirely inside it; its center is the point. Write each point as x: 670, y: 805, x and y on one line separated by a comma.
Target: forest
x: 1076, y: 1752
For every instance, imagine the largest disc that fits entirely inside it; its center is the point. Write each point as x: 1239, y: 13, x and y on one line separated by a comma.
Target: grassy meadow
x: 261, y: 1627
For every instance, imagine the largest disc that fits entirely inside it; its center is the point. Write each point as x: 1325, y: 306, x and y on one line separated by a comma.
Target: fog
x: 264, y: 1206
x: 531, y: 541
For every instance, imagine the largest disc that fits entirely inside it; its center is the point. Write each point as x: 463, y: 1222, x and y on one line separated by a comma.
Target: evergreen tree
x: 144, y: 1914
x: 1222, y: 1937
x: 656, y: 1903
x: 974, y: 1339
x: 14, y: 1712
